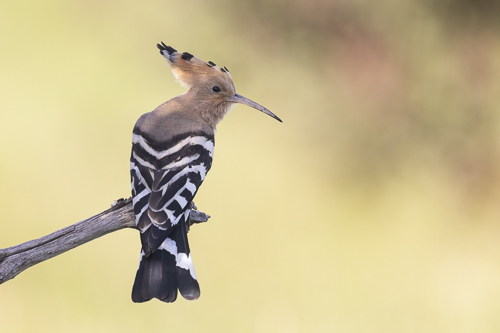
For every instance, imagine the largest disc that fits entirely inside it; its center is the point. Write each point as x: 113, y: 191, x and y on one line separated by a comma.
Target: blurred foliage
x: 413, y: 79
x: 372, y: 208
x: 469, y: 13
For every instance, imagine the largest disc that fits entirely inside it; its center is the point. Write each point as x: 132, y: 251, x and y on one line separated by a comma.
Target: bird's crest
x: 190, y: 70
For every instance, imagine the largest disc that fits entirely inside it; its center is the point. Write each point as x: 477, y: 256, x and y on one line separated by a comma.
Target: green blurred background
x: 374, y: 207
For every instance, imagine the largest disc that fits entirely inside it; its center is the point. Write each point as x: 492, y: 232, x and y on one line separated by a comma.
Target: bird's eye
x: 215, y: 89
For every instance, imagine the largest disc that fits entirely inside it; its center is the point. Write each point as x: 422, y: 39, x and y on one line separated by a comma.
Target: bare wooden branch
x: 14, y: 260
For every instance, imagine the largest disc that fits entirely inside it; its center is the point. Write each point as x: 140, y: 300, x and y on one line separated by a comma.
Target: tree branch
x: 14, y: 260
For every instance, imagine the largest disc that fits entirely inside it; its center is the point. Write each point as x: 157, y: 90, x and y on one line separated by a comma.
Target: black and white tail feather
x: 165, y: 178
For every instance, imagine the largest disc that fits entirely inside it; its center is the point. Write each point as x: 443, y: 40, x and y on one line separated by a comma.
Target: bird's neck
x: 205, y: 110
x: 213, y: 114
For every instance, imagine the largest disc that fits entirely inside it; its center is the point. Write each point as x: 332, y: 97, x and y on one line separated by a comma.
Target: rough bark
x: 14, y: 260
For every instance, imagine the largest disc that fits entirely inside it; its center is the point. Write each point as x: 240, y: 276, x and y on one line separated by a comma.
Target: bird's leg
x: 195, y: 216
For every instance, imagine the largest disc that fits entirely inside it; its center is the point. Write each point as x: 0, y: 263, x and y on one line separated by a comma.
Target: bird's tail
x: 167, y: 269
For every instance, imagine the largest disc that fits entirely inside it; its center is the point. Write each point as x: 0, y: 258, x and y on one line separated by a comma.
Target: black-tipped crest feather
x: 187, y: 56
x: 167, y: 48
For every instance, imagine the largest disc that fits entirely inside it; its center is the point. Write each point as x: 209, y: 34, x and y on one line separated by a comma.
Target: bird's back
x: 171, y: 155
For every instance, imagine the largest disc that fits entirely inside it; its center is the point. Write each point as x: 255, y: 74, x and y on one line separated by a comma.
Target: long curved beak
x: 237, y: 98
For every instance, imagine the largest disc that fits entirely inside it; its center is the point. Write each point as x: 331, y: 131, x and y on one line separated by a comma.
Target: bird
x: 172, y: 151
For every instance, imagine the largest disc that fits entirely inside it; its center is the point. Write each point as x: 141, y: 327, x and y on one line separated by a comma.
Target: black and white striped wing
x: 164, y: 182
x: 165, y: 179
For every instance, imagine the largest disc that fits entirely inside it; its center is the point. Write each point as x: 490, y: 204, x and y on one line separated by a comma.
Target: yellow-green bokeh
x: 372, y: 208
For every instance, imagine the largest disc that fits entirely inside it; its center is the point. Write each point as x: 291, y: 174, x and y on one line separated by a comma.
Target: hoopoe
x: 172, y: 151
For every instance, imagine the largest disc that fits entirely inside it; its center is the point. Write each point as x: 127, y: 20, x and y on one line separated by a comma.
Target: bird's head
x: 212, y: 85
